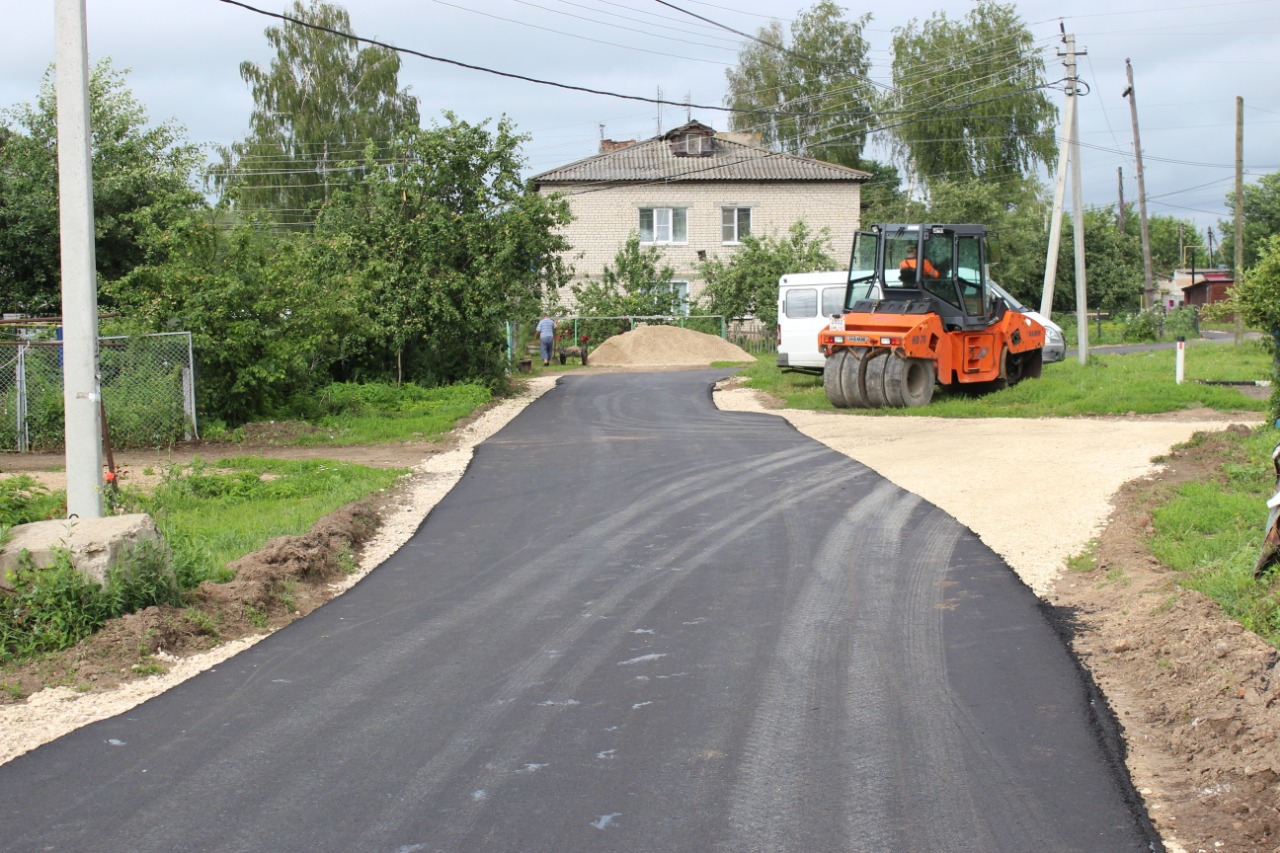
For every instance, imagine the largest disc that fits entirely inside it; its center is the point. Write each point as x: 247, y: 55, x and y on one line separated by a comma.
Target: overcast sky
x: 1190, y: 62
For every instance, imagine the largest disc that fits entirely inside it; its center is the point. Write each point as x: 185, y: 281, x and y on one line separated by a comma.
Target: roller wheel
x: 909, y: 381
x: 873, y: 378
x: 831, y: 378
x: 851, y: 375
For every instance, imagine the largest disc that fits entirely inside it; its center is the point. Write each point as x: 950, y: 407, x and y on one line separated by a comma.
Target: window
x: 735, y: 224
x: 681, y: 291
x: 664, y: 225
x: 800, y: 303
x: 833, y: 301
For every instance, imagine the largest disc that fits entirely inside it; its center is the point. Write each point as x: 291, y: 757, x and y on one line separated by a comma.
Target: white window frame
x: 732, y: 220
x: 681, y: 288
x: 666, y: 225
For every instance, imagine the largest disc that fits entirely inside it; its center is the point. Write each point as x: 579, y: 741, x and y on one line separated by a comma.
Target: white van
x: 806, y: 302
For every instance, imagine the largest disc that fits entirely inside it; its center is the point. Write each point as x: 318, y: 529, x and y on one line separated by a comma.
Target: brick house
x: 696, y: 193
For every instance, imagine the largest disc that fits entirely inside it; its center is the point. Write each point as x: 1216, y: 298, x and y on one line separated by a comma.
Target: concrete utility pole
x: 1239, y: 241
x: 1149, y: 289
x: 1069, y: 158
x: 81, y: 394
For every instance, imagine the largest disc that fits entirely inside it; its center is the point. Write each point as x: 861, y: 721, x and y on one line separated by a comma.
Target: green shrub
x: 23, y: 499
x: 54, y: 608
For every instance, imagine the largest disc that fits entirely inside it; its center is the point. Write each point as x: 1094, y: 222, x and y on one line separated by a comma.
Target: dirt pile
x: 665, y: 346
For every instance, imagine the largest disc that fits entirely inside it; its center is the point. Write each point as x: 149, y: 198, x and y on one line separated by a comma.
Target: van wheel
x: 831, y: 378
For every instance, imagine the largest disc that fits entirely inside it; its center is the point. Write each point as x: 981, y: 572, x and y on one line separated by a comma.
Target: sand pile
x: 665, y: 345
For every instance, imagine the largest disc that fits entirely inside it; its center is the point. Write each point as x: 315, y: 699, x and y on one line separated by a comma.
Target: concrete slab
x: 96, y: 544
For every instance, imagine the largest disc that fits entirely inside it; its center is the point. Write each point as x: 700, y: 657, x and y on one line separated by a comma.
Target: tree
x: 815, y: 89
x: 142, y: 183
x: 637, y: 284
x: 1256, y: 296
x: 449, y: 245
x: 969, y: 98
x: 748, y: 284
x: 1113, y: 260
x: 1261, y: 219
x: 1015, y: 210
x: 408, y: 274
x: 322, y: 101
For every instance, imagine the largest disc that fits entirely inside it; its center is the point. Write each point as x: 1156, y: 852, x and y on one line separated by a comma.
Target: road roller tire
x: 832, y: 381
x: 851, y: 376
x: 909, y: 382
x: 873, y: 378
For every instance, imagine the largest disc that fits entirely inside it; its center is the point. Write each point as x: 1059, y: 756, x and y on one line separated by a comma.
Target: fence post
x: 24, y: 440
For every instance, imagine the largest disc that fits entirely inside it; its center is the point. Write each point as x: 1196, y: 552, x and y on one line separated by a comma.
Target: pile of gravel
x: 665, y: 346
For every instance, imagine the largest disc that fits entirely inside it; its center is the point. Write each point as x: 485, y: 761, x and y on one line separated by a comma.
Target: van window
x: 832, y: 301
x: 801, y: 302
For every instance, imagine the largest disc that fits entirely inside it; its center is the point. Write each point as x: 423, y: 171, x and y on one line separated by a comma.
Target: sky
x: 1190, y: 62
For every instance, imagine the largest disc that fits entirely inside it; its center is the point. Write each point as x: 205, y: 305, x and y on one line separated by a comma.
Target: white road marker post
x: 1181, y: 360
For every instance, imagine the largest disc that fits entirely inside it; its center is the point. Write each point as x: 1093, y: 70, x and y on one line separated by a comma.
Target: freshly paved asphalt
x: 637, y: 624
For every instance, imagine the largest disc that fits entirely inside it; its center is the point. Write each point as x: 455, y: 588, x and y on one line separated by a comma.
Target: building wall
x: 603, y: 219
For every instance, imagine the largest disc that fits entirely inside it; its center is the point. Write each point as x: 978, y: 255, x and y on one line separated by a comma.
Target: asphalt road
x: 637, y: 624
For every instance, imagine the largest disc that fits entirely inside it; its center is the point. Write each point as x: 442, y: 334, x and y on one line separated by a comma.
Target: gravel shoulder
x: 1036, y: 492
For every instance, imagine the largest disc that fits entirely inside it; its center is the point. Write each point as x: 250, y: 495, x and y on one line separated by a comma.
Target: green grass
x: 1108, y: 384
x: 218, y: 513
x: 1210, y: 533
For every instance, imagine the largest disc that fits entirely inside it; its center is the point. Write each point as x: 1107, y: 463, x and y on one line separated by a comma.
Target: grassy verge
x: 213, y: 514
x: 1109, y: 384
x: 1211, y: 532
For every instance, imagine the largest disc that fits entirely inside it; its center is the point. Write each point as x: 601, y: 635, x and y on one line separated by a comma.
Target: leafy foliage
x: 637, y: 284
x: 321, y: 101
x: 815, y: 88
x: 23, y: 499
x: 1261, y: 205
x: 142, y: 182
x: 747, y: 285
x: 969, y: 97
x: 408, y: 275
x: 53, y: 608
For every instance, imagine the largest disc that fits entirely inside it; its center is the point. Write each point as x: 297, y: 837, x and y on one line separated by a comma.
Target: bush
x: 54, y: 608
x: 1141, y: 326
x: 23, y: 499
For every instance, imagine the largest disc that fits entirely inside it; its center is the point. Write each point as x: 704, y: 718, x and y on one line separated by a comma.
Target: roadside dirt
x: 1195, y: 693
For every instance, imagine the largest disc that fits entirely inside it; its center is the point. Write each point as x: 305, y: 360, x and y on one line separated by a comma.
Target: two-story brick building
x: 696, y: 194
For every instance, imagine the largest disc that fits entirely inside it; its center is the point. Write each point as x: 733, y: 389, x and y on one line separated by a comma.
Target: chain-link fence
x: 148, y: 392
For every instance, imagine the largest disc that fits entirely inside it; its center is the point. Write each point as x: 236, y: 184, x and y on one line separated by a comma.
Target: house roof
x: 657, y: 159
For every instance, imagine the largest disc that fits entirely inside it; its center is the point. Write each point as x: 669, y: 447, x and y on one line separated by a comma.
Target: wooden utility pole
x: 1238, y: 273
x: 1148, y: 293
x: 1120, y: 209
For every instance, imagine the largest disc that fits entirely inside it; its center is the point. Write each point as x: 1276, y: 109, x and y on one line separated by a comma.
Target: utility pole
x: 1120, y: 209
x: 1239, y: 241
x: 81, y: 394
x: 1148, y: 293
x: 1069, y: 158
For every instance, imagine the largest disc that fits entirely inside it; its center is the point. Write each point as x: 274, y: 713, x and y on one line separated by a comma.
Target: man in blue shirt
x: 546, y: 336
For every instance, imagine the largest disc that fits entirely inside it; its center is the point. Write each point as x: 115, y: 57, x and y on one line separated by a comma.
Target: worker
x: 546, y: 336
x: 909, y: 263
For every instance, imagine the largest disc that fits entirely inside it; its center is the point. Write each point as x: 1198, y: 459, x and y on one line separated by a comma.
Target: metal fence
x: 148, y: 392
